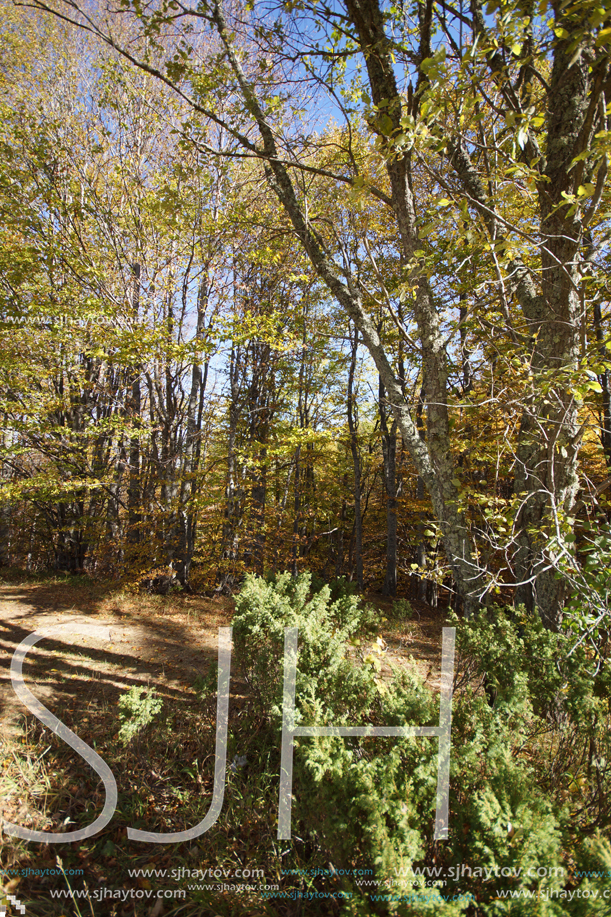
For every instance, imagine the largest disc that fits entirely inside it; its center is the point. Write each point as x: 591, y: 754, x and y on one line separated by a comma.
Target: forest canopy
x: 306, y: 285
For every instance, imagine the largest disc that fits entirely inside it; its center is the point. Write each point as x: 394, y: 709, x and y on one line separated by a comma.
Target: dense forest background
x: 318, y: 289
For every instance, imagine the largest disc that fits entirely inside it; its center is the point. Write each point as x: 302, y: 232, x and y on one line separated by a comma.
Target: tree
x: 108, y: 310
x: 514, y: 110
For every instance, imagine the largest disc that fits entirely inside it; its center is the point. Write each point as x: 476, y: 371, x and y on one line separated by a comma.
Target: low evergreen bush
x: 529, y: 761
x: 138, y: 707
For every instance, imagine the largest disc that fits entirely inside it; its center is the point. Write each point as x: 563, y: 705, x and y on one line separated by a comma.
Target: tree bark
x: 186, y: 522
x: 389, y: 454
x: 135, y: 407
x: 351, y: 412
x: 605, y: 384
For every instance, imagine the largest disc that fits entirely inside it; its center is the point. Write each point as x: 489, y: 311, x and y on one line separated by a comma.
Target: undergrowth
x: 530, y: 778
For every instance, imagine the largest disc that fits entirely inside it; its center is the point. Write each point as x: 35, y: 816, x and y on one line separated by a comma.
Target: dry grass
x: 169, y: 644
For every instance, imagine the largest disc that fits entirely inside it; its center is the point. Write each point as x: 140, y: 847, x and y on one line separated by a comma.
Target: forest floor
x: 167, y: 645
x: 164, y: 642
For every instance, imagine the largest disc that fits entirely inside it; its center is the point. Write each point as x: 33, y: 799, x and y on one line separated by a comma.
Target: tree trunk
x: 605, y: 384
x: 133, y: 490
x: 351, y: 410
x: 389, y: 452
x: 546, y: 479
x: 5, y: 517
x: 228, y: 575
x: 186, y: 522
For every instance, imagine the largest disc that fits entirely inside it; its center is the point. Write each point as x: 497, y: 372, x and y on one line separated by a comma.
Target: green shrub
x: 401, y: 610
x: 364, y: 800
x: 530, y: 771
x: 137, y: 708
x: 593, y: 873
x: 263, y: 611
x: 340, y: 587
x: 556, y: 701
x: 529, y: 762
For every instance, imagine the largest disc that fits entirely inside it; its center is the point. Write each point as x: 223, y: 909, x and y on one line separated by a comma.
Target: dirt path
x: 161, y: 642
